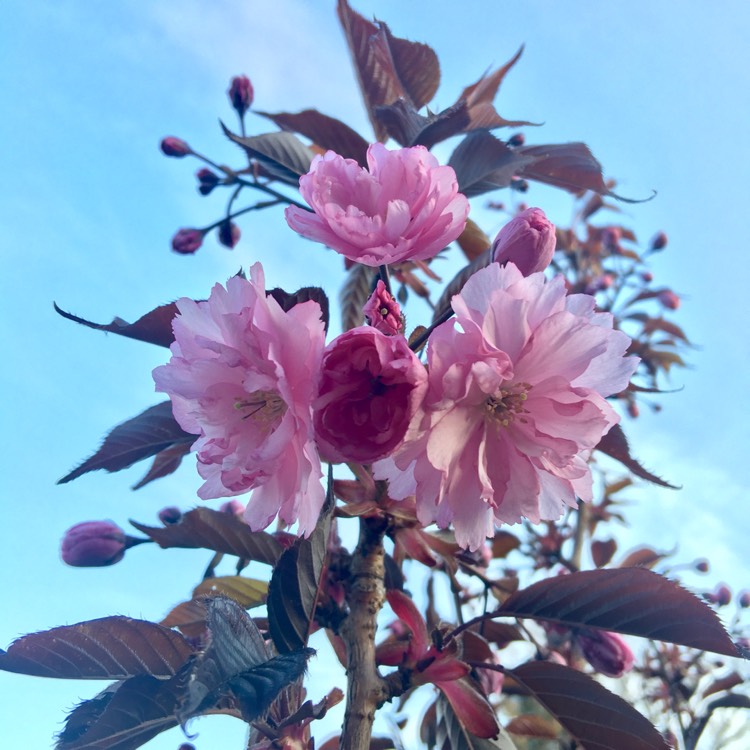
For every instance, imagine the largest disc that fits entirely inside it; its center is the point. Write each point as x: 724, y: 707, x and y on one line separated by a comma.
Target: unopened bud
x: 659, y: 242
x: 528, y: 240
x: 647, y: 277
x: 93, y: 544
x: 701, y: 565
x: 606, y: 652
x: 669, y: 299
x: 516, y: 140
x: 382, y: 311
x: 187, y: 241
x: 170, y: 515
x: 633, y: 409
x: 744, y: 599
x: 176, y: 147
x: 722, y: 595
x: 519, y: 184
x: 241, y: 94
x: 207, y: 180
x: 229, y: 234
x: 611, y: 237
x: 232, y: 506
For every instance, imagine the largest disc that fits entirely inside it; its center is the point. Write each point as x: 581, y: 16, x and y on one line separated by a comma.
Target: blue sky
x: 89, y: 205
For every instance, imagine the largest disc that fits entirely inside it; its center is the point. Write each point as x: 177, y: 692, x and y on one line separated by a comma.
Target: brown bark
x: 366, y: 690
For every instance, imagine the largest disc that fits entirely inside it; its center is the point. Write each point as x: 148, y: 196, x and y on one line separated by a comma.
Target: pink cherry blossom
x: 407, y: 207
x: 382, y: 311
x: 242, y: 377
x: 516, y: 403
x: 607, y: 652
x: 370, y: 388
x: 528, y: 240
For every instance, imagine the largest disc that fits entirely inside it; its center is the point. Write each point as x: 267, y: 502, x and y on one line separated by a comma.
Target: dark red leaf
x: 215, y: 530
x: 483, y: 162
x: 296, y: 579
x: 151, y: 432
x: 634, y: 601
x: 532, y: 725
x: 615, y: 445
x: 643, y: 557
x: 110, y: 648
x: 307, y: 293
x: 165, y: 463
x: 594, y: 717
x: 451, y: 733
x: 603, y: 551
x: 326, y: 132
x: 282, y: 155
x: 406, y: 126
x: 723, y: 683
x: 154, y: 327
x: 480, y: 95
x: 388, y: 68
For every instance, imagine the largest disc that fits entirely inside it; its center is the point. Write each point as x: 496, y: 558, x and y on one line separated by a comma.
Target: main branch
x: 366, y: 593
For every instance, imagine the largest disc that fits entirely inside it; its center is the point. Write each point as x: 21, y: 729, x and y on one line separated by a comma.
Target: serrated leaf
x: 215, y: 530
x: 354, y: 293
x: 482, y: 163
x: 603, y: 551
x: 306, y: 294
x: 155, y: 327
x: 388, y: 68
x: 480, y: 95
x: 237, y: 660
x: 634, y: 601
x: 293, y: 591
x: 247, y: 592
x: 643, y: 557
x: 615, y: 445
x: 282, y: 155
x: 326, y: 132
x: 451, y: 734
x: 409, y: 128
x: 533, y: 725
x: 110, y: 648
x: 594, y: 717
x: 165, y: 462
x: 151, y: 432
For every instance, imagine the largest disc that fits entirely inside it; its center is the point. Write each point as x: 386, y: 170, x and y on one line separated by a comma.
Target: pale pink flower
x: 515, y: 405
x: 407, y: 207
x: 528, y: 240
x: 242, y: 376
x: 370, y: 388
x: 382, y: 311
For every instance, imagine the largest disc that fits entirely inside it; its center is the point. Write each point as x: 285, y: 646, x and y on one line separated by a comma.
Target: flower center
x: 265, y: 408
x: 508, y: 403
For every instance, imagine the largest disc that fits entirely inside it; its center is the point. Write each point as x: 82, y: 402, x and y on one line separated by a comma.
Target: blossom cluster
x: 497, y: 426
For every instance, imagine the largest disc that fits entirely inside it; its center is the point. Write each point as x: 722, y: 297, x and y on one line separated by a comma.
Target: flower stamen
x: 267, y: 407
x: 507, y: 403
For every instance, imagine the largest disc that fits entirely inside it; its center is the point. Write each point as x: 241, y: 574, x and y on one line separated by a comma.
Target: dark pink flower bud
x: 93, y: 544
x: 722, y: 596
x: 207, y: 180
x: 187, y: 241
x: 606, y: 652
x: 659, y: 242
x: 611, y: 237
x: 382, y: 311
x: 647, y: 277
x: 229, y: 234
x: 176, y: 147
x: 528, y: 240
x: 633, y: 409
x: 232, y: 506
x: 516, y: 140
x: 170, y: 515
x: 669, y: 299
x: 518, y: 184
x: 371, y: 386
x: 241, y: 94
x: 701, y: 565
x: 744, y: 599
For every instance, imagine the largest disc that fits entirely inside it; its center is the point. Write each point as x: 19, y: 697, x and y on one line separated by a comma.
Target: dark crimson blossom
x: 94, y: 544
x: 606, y: 652
x: 370, y: 387
x: 528, y: 240
x: 406, y: 207
x: 241, y: 94
x: 207, y: 180
x: 176, y: 147
x: 187, y: 241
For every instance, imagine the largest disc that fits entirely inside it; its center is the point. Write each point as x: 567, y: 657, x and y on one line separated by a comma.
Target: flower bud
x: 744, y: 599
x: 382, y: 311
x: 606, y: 652
x: 721, y: 596
x: 176, y: 147
x: 647, y: 277
x: 187, y: 241
x: 701, y: 565
x: 528, y: 240
x: 518, y: 184
x: 241, y: 94
x: 232, y: 506
x: 207, y: 180
x: 516, y: 140
x: 229, y: 234
x: 170, y: 515
x: 669, y: 299
x: 93, y: 544
x: 659, y: 242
